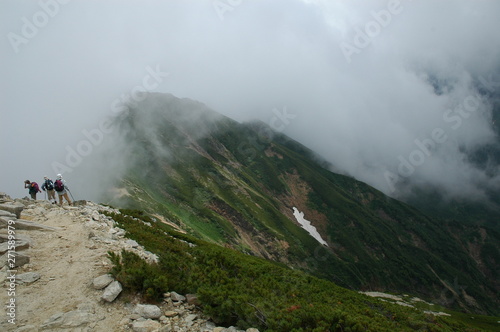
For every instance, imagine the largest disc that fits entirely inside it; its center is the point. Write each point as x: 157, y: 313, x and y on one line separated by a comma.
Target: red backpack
x: 58, y: 185
x: 35, y: 187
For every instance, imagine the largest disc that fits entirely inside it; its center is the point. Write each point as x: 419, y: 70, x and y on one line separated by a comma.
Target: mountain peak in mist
x: 237, y: 184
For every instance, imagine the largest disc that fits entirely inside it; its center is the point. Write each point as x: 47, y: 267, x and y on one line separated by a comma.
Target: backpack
x: 34, y: 185
x: 49, y: 185
x: 58, y: 185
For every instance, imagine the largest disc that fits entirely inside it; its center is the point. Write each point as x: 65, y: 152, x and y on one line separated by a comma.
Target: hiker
x: 33, y: 188
x: 48, y: 186
x: 60, y: 186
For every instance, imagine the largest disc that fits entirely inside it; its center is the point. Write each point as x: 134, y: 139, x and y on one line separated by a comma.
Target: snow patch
x: 384, y: 295
x: 306, y: 224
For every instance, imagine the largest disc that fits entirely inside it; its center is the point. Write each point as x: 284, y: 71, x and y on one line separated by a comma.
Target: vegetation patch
x: 247, y: 291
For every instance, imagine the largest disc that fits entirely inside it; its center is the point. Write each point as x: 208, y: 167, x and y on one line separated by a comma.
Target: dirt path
x: 67, y: 260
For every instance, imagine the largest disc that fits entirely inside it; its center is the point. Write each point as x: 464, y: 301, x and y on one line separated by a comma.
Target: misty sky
x: 387, y: 91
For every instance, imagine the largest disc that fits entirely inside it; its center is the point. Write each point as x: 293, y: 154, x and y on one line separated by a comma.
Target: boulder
x: 19, y: 245
x: 68, y: 320
x: 16, y: 259
x: 112, y: 291
x: 7, y: 214
x: 148, y: 311
x: 4, y: 236
x: 27, y: 278
x: 189, y: 319
x: 145, y: 325
x: 6, y: 221
x: 102, y: 281
x: 170, y: 314
x: 15, y: 208
x: 208, y: 326
x: 132, y: 243
x: 177, y: 297
x: 25, y: 225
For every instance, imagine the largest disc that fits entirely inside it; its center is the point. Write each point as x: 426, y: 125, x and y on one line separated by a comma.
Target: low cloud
x: 421, y: 81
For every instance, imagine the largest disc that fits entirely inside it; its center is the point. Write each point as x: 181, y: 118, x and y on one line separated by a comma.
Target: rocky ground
x: 54, y: 272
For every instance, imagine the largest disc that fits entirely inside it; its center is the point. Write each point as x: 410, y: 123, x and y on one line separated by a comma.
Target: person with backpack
x: 60, y: 187
x: 48, y: 186
x: 33, y: 188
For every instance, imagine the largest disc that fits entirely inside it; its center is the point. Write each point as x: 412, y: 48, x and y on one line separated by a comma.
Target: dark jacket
x: 48, y: 185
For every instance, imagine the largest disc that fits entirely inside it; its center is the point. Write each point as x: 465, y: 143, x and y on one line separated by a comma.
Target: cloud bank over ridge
x: 395, y: 93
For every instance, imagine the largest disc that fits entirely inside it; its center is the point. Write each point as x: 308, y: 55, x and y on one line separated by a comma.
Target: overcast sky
x: 351, y: 79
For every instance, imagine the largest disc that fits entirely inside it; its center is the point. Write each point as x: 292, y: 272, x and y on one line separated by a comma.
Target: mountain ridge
x: 236, y: 184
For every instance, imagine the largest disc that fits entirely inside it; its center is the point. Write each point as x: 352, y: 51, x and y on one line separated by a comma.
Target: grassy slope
x: 238, y: 289
x: 223, y: 186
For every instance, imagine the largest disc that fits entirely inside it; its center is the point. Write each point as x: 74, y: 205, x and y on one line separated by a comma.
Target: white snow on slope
x: 306, y: 224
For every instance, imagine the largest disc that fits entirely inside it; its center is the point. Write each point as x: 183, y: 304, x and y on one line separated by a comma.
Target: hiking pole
x: 71, y: 194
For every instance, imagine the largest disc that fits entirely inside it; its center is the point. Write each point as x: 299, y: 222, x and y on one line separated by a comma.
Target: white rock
x: 146, y: 326
x: 177, y: 297
x: 190, y: 318
x: 7, y: 214
x: 148, y: 311
x: 112, y: 291
x: 132, y: 243
x: 103, y: 281
x: 68, y: 320
x: 27, y: 278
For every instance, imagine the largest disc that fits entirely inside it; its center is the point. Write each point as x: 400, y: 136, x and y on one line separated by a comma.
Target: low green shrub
x: 247, y: 291
x: 139, y: 276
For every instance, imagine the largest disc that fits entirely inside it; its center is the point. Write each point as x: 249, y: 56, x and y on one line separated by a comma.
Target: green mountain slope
x: 237, y: 184
x: 238, y: 289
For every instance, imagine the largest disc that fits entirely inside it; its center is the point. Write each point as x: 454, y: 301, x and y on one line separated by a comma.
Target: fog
x: 395, y: 93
